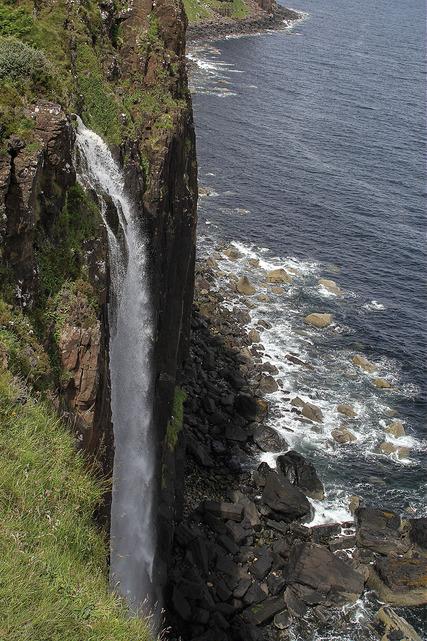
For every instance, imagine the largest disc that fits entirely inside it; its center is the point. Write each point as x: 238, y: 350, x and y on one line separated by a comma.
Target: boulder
x: 381, y: 531
x: 396, y: 429
x: 223, y: 510
x: 381, y: 383
x: 297, y: 361
x: 386, y: 447
x: 331, y: 580
x: 331, y: 286
x: 245, y: 287
x: 363, y: 363
x: 246, y: 405
x: 279, y: 276
x: 318, y: 320
x: 232, y: 252
x: 267, y: 384
x: 400, y: 581
x: 285, y: 501
x: 300, y: 472
x: 312, y: 412
x: 343, y: 435
x: 253, y: 262
x: 391, y: 627
x: 297, y: 402
x: 268, y: 440
x: 277, y: 290
x: 254, y: 336
x: 347, y: 410
x: 265, y: 611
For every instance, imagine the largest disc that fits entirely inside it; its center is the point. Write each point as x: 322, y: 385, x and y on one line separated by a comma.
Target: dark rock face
x: 323, y: 576
x: 381, y: 531
x: 400, y: 581
x: 286, y: 502
x: 301, y: 473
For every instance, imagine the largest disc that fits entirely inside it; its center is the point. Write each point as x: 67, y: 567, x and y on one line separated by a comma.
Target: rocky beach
x: 250, y: 562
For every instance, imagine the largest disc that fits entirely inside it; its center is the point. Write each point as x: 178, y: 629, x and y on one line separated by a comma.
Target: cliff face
x: 123, y: 70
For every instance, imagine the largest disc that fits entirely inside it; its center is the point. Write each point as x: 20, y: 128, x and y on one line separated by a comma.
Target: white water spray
x: 133, y: 539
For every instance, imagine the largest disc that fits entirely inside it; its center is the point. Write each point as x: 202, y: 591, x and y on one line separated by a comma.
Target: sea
x: 311, y: 144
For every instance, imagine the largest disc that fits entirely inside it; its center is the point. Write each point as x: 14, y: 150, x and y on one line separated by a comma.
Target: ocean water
x: 311, y: 146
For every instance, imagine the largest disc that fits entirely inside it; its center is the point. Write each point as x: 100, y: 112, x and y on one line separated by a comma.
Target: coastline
x: 279, y: 18
x: 249, y: 562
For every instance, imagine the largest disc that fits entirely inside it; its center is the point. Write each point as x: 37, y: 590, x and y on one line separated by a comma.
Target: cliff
x: 122, y: 69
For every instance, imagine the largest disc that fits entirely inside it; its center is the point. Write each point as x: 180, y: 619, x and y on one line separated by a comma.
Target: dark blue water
x: 312, y: 145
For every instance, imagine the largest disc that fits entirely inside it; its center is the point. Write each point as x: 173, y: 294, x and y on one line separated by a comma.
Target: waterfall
x: 133, y: 540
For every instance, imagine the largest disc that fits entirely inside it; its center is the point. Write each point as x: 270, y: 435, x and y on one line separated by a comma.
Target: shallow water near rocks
x: 310, y: 145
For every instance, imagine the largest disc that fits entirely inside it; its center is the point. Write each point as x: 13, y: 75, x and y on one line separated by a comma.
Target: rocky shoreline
x: 278, y: 18
x: 245, y: 566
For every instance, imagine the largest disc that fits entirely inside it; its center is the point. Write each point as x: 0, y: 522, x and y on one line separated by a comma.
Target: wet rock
x: 386, y: 447
x: 318, y: 320
x: 286, y: 502
x: 267, y: 385
x: 282, y: 620
x: 295, y: 605
x: 300, y: 472
x: 400, y: 581
x: 343, y: 435
x: 391, y: 627
x: 253, y: 262
x: 254, y: 336
x: 277, y: 290
x: 297, y: 361
x: 232, y: 252
x: 354, y: 503
x: 245, y: 287
x: 363, y: 363
x: 261, y: 565
x: 279, y: 276
x: 297, y: 402
x: 312, y: 412
x: 268, y: 440
x: 346, y: 410
x: 381, y: 383
x: 331, y: 286
x: 334, y: 581
x: 325, y: 532
x: 381, y: 531
x: 396, y: 429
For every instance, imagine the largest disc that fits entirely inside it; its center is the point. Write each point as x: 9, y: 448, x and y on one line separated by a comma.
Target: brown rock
x: 386, y: 447
x: 331, y: 286
x: 388, y: 625
x: 400, y: 581
x: 396, y: 429
x: 347, y: 410
x: 343, y: 435
x: 245, y: 287
x: 381, y: 383
x: 279, y: 276
x: 363, y: 363
x: 318, y: 320
x: 312, y: 412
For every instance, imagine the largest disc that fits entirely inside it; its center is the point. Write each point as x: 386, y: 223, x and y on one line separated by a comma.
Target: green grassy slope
x: 53, y: 575
x: 199, y: 10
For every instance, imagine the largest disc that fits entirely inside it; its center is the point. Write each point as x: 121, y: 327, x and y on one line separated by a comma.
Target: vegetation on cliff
x: 197, y: 10
x: 53, y: 559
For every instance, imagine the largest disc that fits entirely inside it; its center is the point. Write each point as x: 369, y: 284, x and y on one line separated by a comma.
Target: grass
x: 199, y: 10
x: 53, y: 570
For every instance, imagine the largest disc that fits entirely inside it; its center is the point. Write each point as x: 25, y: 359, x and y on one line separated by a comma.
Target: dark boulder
x: 302, y: 473
x: 400, y: 581
x: 268, y: 440
x: 265, y: 611
x: 332, y: 580
x: 418, y: 532
x: 381, y: 531
x: 284, y: 500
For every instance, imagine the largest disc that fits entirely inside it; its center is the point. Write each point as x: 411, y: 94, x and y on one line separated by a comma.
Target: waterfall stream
x: 133, y: 538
